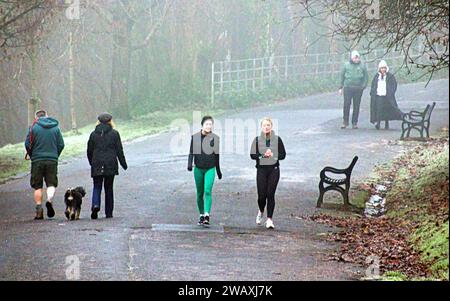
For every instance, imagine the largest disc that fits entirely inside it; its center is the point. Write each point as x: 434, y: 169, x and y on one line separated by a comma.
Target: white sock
x: 50, y: 193
x: 206, y: 214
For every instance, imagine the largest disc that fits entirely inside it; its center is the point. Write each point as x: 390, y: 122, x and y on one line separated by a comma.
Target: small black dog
x: 73, y: 199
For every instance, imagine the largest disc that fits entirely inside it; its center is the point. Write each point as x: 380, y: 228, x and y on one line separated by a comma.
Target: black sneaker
x: 94, y: 214
x: 50, y: 210
x: 201, y: 220
x: 206, y: 222
x: 39, y: 214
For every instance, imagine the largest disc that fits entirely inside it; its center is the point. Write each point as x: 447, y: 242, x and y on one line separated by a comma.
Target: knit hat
x: 355, y: 54
x: 383, y: 64
x: 104, y: 117
x: 40, y: 113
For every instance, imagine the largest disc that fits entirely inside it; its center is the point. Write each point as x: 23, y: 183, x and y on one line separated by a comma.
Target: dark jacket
x: 259, y: 147
x: 354, y: 75
x: 386, y: 108
x: 45, y: 141
x: 204, y: 152
x: 104, y: 148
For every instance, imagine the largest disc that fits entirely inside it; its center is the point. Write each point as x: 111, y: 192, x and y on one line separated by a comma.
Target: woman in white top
x: 383, y: 105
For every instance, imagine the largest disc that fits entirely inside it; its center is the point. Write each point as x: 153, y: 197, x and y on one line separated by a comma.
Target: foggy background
x: 79, y: 58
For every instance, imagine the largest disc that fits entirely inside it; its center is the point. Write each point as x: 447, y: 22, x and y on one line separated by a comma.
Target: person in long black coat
x: 383, y: 104
x: 104, y: 148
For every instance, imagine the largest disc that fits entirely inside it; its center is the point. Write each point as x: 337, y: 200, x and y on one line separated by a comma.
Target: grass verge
x: 419, y: 195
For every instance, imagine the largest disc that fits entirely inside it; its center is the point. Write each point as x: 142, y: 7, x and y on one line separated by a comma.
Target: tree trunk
x: 34, y: 101
x: 119, y: 105
x: 73, y: 114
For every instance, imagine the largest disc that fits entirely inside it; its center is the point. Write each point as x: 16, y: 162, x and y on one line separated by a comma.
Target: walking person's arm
x: 119, y: 152
x: 391, y: 88
x: 217, y: 153
x: 90, y: 149
x: 219, y: 172
x: 281, y: 150
x: 191, y: 154
x: 342, y: 79
x: 254, y: 153
x: 28, y: 143
x: 60, y: 142
x: 373, y: 86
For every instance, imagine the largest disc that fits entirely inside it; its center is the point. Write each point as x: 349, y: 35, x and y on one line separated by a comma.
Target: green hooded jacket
x: 354, y: 75
x: 47, y: 141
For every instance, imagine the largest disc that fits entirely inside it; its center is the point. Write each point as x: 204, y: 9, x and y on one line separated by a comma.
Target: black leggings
x: 267, y: 180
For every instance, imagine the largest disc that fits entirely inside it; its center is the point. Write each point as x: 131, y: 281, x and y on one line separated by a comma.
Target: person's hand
x: 125, y: 167
x: 189, y: 168
x: 219, y: 175
x: 268, y: 153
x: 340, y: 92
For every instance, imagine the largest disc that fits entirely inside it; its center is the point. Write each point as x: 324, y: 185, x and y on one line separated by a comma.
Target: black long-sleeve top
x: 204, y: 152
x: 261, y: 144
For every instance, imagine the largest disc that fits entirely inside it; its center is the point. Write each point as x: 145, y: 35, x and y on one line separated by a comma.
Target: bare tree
x: 22, y: 26
x: 124, y: 16
x: 20, y: 18
x: 418, y: 28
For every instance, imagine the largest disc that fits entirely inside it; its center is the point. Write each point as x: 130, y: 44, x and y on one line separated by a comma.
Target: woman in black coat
x: 383, y: 105
x: 104, y: 148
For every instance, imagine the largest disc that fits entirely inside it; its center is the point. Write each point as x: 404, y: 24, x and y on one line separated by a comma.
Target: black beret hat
x: 104, y: 117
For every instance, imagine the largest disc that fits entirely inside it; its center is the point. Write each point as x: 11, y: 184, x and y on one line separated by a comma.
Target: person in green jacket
x: 44, y: 144
x: 354, y: 79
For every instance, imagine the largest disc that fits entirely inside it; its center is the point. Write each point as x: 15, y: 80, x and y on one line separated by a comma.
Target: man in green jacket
x: 44, y: 144
x: 354, y: 80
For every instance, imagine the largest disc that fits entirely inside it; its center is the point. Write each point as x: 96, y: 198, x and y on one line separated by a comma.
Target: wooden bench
x: 341, y: 184
x: 419, y: 121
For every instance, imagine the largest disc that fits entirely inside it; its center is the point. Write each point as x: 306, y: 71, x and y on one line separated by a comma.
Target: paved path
x: 157, y: 190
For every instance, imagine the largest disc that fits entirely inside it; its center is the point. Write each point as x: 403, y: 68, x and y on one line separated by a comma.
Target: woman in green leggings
x: 204, y: 152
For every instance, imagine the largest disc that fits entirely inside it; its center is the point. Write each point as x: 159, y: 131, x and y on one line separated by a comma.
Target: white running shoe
x: 269, y: 224
x: 259, y: 218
